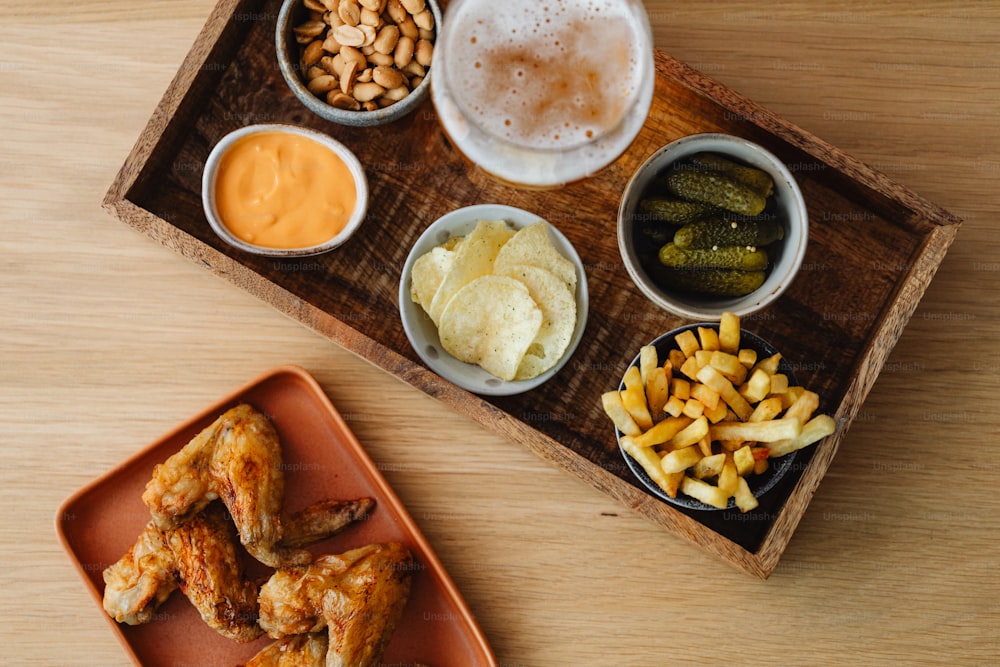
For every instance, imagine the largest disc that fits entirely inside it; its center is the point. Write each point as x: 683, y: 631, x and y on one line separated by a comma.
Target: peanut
x: 348, y: 35
x: 413, y: 6
x: 423, y: 52
x: 365, y: 92
x: 404, y: 52
x: 341, y: 101
x: 322, y: 84
x: 349, y: 12
x: 347, y: 77
x: 388, y: 77
x: 386, y: 40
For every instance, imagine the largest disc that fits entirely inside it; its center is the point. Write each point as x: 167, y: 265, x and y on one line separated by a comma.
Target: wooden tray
x: 874, y: 247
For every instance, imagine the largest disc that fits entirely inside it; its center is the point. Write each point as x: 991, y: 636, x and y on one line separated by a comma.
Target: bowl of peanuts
x: 357, y: 62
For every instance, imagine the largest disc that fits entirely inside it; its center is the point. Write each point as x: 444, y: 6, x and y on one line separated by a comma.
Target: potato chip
x: 473, y: 258
x: 491, y: 321
x: 428, y: 273
x: 532, y: 245
x: 558, y: 317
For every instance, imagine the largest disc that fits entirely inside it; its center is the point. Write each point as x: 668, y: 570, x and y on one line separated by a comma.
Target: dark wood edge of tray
x: 760, y: 563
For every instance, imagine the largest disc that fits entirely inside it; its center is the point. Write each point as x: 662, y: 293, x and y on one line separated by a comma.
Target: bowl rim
x: 781, y: 275
x: 289, y: 71
x: 421, y: 332
x: 210, y: 173
x: 777, y: 472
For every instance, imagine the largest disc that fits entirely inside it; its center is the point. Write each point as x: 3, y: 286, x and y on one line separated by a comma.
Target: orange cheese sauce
x: 283, y: 190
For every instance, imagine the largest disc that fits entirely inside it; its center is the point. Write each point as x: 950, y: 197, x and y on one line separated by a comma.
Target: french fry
x: 705, y: 492
x: 709, y: 466
x: 747, y: 357
x: 647, y: 362
x: 757, y: 387
x: 770, y: 364
x: 705, y: 445
x: 769, y: 431
x: 718, y: 413
x: 729, y: 477
x: 674, y: 406
x: 693, y: 408
x: 812, y: 431
x: 766, y: 410
x: 691, y: 366
x: 680, y: 460
x: 729, y: 333
x: 657, y: 391
x: 714, y: 379
x: 650, y: 462
x: 708, y: 338
x: 661, y: 432
x: 803, y: 407
x: 779, y: 383
x: 676, y: 358
x: 634, y: 398
x: 708, y: 396
x: 687, y: 343
x: 611, y: 401
x: 743, y: 458
x: 680, y: 388
x: 691, y: 434
x: 743, y: 497
x: 729, y: 365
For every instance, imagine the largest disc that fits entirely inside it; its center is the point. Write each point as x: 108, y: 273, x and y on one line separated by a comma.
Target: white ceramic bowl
x: 208, y: 191
x: 291, y: 14
x: 421, y: 331
x: 789, y: 206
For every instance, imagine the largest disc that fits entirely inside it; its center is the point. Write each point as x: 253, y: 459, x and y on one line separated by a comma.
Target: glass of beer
x: 540, y: 94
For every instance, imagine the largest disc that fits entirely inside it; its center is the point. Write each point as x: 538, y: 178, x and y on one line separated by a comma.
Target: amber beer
x: 540, y: 94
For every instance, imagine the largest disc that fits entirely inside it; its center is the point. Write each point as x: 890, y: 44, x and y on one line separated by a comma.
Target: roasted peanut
x: 349, y: 12
x: 397, y: 93
x: 348, y: 35
x: 403, y: 53
x: 373, y: 5
x: 341, y: 101
x: 351, y: 53
x: 314, y: 6
x: 386, y: 39
x: 388, y: 77
x: 347, y: 78
x: 424, y: 20
x: 413, y: 6
x: 322, y: 84
x: 364, y: 92
x: 365, y: 75
x: 396, y: 11
x: 312, y: 53
x: 308, y: 31
x: 381, y: 59
x: 368, y: 17
x: 409, y: 28
x: 423, y: 52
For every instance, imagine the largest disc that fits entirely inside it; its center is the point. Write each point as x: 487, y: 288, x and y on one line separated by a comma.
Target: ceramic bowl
x: 218, y: 226
x: 759, y: 484
x: 293, y: 13
x: 638, y: 251
x: 421, y: 331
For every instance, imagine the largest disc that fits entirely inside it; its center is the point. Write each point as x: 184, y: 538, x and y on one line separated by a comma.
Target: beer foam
x: 545, y: 74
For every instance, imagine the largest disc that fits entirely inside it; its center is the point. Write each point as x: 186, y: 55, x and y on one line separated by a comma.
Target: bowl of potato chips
x: 494, y: 299
x: 710, y: 416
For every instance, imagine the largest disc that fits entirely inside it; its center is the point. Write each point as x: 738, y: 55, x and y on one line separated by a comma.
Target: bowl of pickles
x: 710, y: 224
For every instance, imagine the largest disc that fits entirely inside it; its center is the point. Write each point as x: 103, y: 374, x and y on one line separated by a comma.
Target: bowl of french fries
x: 710, y: 416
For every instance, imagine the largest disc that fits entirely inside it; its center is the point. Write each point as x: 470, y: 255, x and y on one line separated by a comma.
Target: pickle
x: 719, y: 232
x: 716, y: 282
x: 674, y: 211
x: 743, y: 258
x: 716, y: 189
x: 751, y: 176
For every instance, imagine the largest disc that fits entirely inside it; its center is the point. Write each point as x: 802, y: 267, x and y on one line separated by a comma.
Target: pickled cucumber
x: 751, y: 176
x: 674, y: 211
x: 716, y: 282
x: 719, y: 232
x: 716, y: 189
x: 743, y: 258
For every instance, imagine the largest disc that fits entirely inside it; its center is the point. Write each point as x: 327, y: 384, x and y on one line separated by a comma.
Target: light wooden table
x: 109, y: 339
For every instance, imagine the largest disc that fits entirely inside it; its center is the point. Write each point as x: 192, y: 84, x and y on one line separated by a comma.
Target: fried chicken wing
x: 295, y: 651
x: 358, y: 596
x: 141, y: 580
x: 151, y: 570
x: 210, y: 573
x: 238, y: 460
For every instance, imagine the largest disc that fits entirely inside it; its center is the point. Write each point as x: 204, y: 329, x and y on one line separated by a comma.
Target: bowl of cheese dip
x: 283, y: 190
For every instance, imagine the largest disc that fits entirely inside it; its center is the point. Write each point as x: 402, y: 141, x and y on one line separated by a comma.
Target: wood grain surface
x: 110, y: 340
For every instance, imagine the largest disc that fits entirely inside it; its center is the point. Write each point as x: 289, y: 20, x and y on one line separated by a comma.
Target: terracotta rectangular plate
x: 322, y: 459
x: 873, y: 249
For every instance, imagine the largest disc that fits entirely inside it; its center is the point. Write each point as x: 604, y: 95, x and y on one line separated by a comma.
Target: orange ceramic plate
x: 323, y: 459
